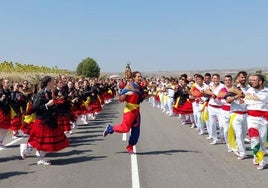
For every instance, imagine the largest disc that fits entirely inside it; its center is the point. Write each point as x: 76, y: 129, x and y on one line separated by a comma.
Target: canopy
x: 115, y: 76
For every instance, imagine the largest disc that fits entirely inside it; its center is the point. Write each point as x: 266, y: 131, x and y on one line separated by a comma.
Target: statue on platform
x: 128, y: 72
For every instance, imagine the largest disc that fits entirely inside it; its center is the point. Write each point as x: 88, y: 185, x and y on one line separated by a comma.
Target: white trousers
x: 239, y: 126
x: 259, y: 123
x: 214, y: 115
x: 224, y: 120
x: 170, y: 105
x: 197, y: 116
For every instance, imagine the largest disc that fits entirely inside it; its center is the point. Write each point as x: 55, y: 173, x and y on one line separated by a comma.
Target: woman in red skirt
x: 45, y: 135
x: 28, y: 116
x: 16, y: 104
x: 4, y: 109
x: 63, y: 106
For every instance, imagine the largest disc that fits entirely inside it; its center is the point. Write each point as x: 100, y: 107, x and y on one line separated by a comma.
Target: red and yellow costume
x: 45, y: 134
x: 131, y: 116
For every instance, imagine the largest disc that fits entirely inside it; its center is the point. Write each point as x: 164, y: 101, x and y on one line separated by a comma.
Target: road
x: 168, y: 155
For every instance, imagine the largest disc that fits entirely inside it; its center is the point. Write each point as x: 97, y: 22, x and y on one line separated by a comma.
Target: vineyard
x: 18, y: 72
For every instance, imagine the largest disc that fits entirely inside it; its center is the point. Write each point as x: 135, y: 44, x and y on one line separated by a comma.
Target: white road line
x: 135, y: 170
x: 124, y: 137
x: 134, y: 166
x: 12, y: 142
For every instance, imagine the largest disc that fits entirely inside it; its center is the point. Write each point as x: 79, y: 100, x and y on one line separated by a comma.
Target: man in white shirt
x: 256, y: 99
x: 214, y: 107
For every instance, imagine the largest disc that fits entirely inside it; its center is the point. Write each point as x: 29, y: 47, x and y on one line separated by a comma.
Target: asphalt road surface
x: 168, y: 154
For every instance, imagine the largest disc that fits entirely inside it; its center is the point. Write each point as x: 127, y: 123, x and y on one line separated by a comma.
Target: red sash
x: 226, y: 107
x: 214, y: 106
x: 240, y: 112
x: 258, y: 113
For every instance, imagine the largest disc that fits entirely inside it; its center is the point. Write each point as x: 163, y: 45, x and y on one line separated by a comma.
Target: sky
x: 151, y: 35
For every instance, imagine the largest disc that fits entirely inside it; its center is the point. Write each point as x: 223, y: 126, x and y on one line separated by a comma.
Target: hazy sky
x: 151, y: 35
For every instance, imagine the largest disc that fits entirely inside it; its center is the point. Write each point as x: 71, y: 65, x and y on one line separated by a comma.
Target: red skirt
x: 156, y: 98
x: 105, y: 96
x: 64, y: 122
x: 108, y: 95
x: 16, y: 123
x: 4, y: 120
x: 77, y: 110
x: 73, y: 116
x: 187, y: 108
x: 26, y: 127
x: 42, y: 137
x: 178, y: 109
x: 94, y: 107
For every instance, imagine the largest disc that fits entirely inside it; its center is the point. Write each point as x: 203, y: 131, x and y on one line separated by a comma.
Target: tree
x: 259, y: 71
x: 88, y: 68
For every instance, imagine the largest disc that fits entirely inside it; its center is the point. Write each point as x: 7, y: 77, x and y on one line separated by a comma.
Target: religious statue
x: 128, y: 72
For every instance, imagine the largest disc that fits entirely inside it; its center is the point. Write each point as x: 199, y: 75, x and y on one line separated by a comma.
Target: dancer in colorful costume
x: 238, y: 122
x: 198, y: 93
x: 45, y: 135
x: 133, y: 95
x: 214, y: 107
x: 16, y: 101
x: 256, y: 99
x: 4, y: 110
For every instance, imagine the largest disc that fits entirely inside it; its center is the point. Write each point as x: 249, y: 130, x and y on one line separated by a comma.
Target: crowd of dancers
x: 47, y: 111
x: 229, y: 111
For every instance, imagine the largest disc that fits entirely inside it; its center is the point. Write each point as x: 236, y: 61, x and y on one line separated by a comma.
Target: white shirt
x: 215, y: 91
x: 257, y: 99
